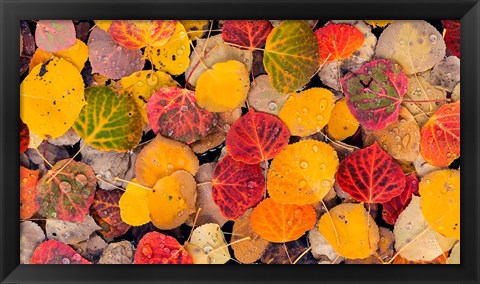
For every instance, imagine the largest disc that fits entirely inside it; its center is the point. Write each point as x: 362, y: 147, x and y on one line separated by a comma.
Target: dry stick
x: 331, y: 220
x: 208, y: 37
x: 334, y: 141
x: 132, y: 183
x: 199, y: 61
x: 300, y: 256
x: 66, y: 164
x: 321, y: 65
x: 336, y: 258
x: 444, y: 32
x: 227, y: 245
x: 33, y: 219
x: 204, y: 183
x: 99, y: 177
x: 286, y: 251
x: 43, y: 158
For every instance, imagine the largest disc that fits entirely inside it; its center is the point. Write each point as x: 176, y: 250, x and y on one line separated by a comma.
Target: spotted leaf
x: 106, y: 212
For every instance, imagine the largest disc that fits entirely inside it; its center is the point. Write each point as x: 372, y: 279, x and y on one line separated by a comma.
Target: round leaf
x: 250, y: 250
x: 133, y: 205
x: 247, y: 34
x: 55, y: 35
x: 55, y: 252
x: 157, y: 248
x: 263, y: 97
x: 106, y: 212
x: 338, y: 41
x: 135, y: 34
x: 342, y: 124
x: 210, y: 239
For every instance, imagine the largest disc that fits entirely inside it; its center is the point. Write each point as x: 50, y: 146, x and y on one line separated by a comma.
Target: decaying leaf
x: 106, y: 212
x: 263, y: 97
x: 321, y: 248
x: 31, y: 235
x: 287, y: 253
x: 71, y: 232
x: 56, y: 35
x: 247, y: 251
x: 210, y: 238
x: 446, y: 73
x: 117, y: 253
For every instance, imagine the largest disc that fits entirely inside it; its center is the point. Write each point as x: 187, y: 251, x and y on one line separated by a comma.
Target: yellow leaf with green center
x: 174, y: 56
x: 110, y: 121
x: 172, y: 200
x: 291, y: 56
x: 142, y: 85
x: 51, y: 98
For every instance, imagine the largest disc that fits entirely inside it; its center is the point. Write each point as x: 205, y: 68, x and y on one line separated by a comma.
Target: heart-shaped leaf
x: 237, y: 186
x: 173, y: 112
x: 371, y: 175
x: 374, y: 93
x: 256, y: 137
x: 157, y: 248
x: 248, y: 34
x: 106, y: 212
x: 279, y: 223
x: 109, y: 121
x: 55, y: 35
x: 135, y: 34
x: 291, y: 56
x: 338, y: 41
x: 452, y: 36
x: 69, y: 194
x: 440, y: 142
x: 55, y: 252
x: 393, y: 208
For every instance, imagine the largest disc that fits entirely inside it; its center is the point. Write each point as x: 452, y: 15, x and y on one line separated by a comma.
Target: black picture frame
x: 12, y: 11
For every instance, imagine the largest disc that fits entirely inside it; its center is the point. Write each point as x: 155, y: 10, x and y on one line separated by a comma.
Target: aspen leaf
x: 55, y: 252
x: 446, y: 73
x: 197, y: 254
x: 279, y: 223
x: 452, y: 36
x: 157, y: 248
x: 135, y: 34
x: 31, y: 235
x: 321, y: 248
x: 162, y: 157
x: 210, y: 238
x: 378, y: 23
x: 103, y: 24
x: 77, y: 54
x: 70, y: 232
x: 55, y: 90
x: 338, y: 41
x: 440, y: 201
x: 173, y: 56
x: 291, y: 56
x: 351, y: 231
x: 172, y: 200
x: 133, y: 205
x: 250, y: 250
x: 303, y: 173
x: 142, y: 85
x: 416, y: 45
x: 195, y: 28
x: 106, y: 212
x: 55, y: 35
x: 223, y: 87
x: 109, y: 121
x: 248, y: 34
x: 395, y: 206
x: 342, y: 124
x: 24, y: 137
x: 263, y: 97
x: 28, y: 181
x: 307, y: 112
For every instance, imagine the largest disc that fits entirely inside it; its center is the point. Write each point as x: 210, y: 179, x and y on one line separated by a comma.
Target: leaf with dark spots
x: 452, y: 36
x: 55, y: 252
x: 157, y: 248
x: 106, y: 212
x: 371, y: 175
x: 374, y: 93
x: 69, y: 194
x: 246, y: 34
x: 396, y: 205
x: 257, y: 137
x: 237, y: 186
x: 173, y: 112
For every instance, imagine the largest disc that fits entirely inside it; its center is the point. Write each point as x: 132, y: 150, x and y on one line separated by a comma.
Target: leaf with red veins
x: 173, y: 112
x: 257, y: 137
x: 56, y: 252
x: 246, y: 34
x: 393, y: 208
x: 237, y: 187
x: 371, y: 175
x: 440, y: 136
x: 135, y: 34
x: 374, y: 93
x: 69, y: 194
x: 106, y: 212
x: 338, y: 41
x: 452, y: 36
x: 157, y: 248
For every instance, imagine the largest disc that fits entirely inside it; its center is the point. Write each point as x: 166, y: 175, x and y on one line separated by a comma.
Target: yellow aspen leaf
x: 197, y: 254
x: 307, y: 112
x: 103, y: 24
x: 378, y: 23
x: 223, y: 87
x: 142, y: 85
x: 55, y: 91
x: 172, y: 200
x: 280, y: 223
x: 209, y: 237
x: 195, y: 28
x: 162, y: 157
x: 77, y: 54
x: 349, y: 231
x: 134, y: 205
x: 303, y: 173
x: 174, y: 56
x: 250, y: 250
x: 440, y: 201
x: 342, y: 123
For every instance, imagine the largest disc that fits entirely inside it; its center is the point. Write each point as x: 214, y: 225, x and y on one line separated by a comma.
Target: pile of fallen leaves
x: 207, y: 142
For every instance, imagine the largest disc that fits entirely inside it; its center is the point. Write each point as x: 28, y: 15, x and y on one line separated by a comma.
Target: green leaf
x: 109, y: 121
x: 291, y: 56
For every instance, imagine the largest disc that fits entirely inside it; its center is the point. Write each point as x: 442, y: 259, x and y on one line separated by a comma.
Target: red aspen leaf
x: 135, y: 34
x: 393, y: 208
x: 28, y: 181
x: 236, y: 186
x: 56, y: 252
x: 24, y: 137
x: 157, y: 248
x: 247, y: 34
x: 106, y: 212
x: 338, y: 41
x: 374, y: 93
x: 257, y: 137
x: 69, y: 194
x: 452, y: 36
x: 173, y: 112
x: 111, y: 59
x: 56, y: 35
x: 280, y: 223
x: 371, y: 175
x: 440, y: 136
